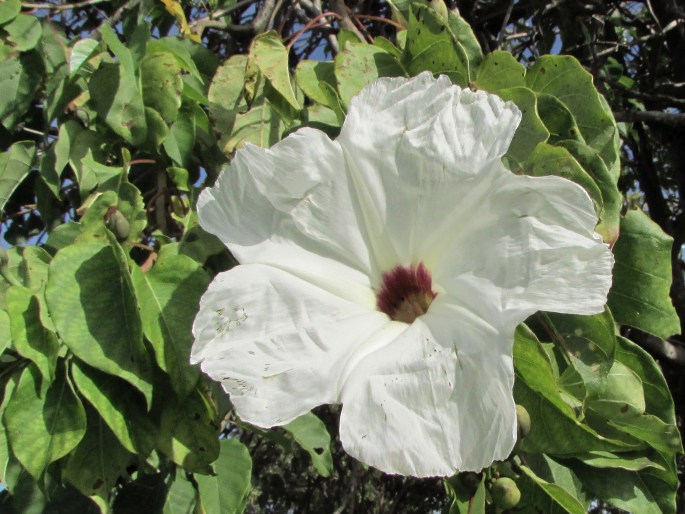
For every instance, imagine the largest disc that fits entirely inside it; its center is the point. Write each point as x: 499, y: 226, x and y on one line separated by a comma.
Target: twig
x: 380, y: 19
x: 61, y: 7
x: 313, y: 23
x: 505, y: 22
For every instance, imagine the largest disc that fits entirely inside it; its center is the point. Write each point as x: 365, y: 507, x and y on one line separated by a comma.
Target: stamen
x: 406, y: 292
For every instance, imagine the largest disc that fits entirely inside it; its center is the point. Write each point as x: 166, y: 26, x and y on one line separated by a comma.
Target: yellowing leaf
x: 174, y: 8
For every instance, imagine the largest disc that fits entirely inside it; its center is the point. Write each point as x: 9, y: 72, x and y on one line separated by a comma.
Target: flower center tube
x: 406, y: 292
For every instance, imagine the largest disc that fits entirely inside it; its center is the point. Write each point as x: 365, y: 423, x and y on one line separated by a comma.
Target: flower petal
x: 415, y: 149
x: 290, y: 206
x: 278, y: 344
x: 436, y: 400
x: 533, y: 247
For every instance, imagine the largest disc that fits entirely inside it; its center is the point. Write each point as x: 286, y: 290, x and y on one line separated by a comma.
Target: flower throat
x: 406, y: 292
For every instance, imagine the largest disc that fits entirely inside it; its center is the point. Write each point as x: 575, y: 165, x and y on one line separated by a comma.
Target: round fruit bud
x: 505, y: 493
x: 117, y: 223
x: 522, y: 422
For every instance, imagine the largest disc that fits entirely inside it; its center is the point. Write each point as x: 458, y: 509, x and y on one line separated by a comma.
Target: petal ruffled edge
x: 535, y: 250
x: 290, y: 206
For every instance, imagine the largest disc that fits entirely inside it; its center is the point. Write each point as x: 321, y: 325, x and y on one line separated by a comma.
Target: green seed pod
x: 117, y: 223
x: 522, y: 422
x: 505, y: 493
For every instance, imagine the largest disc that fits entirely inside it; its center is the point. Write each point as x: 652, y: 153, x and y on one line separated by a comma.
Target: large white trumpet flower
x: 387, y: 271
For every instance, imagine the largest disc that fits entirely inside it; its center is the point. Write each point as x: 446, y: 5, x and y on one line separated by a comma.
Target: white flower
x: 387, y: 271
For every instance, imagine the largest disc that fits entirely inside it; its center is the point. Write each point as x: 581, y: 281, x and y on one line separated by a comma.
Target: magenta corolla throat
x: 406, y: 292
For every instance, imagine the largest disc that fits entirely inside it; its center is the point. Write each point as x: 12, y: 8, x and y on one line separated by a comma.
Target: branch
x: 61, y: 7
x: 671, y: 119
x: 664, y: 349
x: 339, y: 7
x: 258, y: 23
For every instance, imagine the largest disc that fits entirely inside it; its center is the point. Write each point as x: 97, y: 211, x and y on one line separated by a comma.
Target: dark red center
x: 406, y: 292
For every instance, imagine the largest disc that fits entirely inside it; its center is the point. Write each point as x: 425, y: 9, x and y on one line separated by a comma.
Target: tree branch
x: 674, y: 353
x: 670, y: 119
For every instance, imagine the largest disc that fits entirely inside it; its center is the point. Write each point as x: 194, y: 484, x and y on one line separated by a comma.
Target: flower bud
x: 522, y: 422
x: 505, y: 493
x: 117, y: 223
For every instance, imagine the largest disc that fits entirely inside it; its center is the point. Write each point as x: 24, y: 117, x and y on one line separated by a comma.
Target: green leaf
x: 181, y: 139
x: 500, y: 70
x: 43, y: 429
x: 74, y: 146
x: 387, y: 45
x: 555, y: 428
x: 112, y: 398
x: 558, y: 119
x: 612, y: 200
x: 467, y: 39
x: 127, y: 199
x: 621, y: 396
x: 98, y: 461
x: 647, y: 491
x: 157, y: 129
x: 91, y: 300
x: 359, y: 56
x: 189, y: 431
x: 642, y: 278
x: 20, y: 79
x: 82, y: 51
x: 554, y: 472
x: 589, y: 339
x: 177, y: 48
x: 198, y: 244
x: 15, y: 165
x: 171, y: 294
x: 269, y: 55
x: 29, y: 337
x: 551, y: 498
x: 261, y: 126
x: 116, y: 99
x: 162, y: 85
x: 181, y: 496
x: 227, y: 491
x: 530, y: 131
x: 9, y: 9
x: 317, y: 80
x: 431, y: 45
x: 311, y: 434
x: 226, y: 94
x: 120, y: 51
x: 658, y: 399
x: 627, y: 461
x: 563, y: 77
x: 650, y: 429
x: 5, y: 341
x: 23, y: 32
